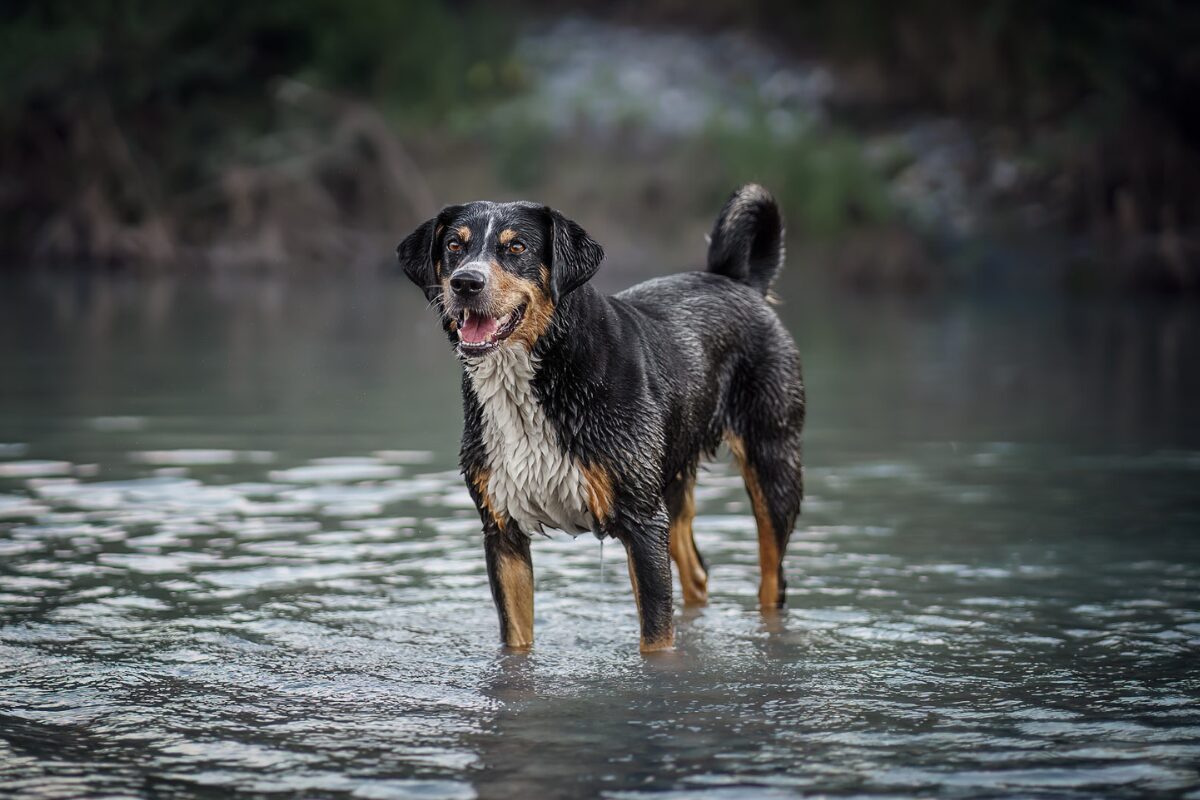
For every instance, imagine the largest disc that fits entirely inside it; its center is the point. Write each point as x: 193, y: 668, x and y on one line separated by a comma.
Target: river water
x: 236, y: 558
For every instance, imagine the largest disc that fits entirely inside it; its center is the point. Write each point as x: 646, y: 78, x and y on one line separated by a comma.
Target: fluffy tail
x: 747, y: 240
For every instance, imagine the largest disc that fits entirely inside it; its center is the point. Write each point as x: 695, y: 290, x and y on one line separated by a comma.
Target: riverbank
x: 896, y: 180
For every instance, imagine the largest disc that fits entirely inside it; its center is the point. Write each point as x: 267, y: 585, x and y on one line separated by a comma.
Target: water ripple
x: 325, y: 627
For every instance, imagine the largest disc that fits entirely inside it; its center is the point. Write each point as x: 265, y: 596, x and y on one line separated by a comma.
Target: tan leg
x: 510, y: 572
x: 770, y: 559
x: 770, y: 553
x: 692, y: 576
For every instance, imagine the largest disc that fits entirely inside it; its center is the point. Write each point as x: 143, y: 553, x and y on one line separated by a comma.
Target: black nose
x: 467, y: 282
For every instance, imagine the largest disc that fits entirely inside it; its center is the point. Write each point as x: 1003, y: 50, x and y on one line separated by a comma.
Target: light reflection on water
x: 235, y: 554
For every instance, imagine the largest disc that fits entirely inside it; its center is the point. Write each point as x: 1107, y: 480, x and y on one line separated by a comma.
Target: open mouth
x: 478, y: 333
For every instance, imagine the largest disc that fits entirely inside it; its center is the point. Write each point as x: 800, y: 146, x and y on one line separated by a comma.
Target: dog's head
x: 497, y: 271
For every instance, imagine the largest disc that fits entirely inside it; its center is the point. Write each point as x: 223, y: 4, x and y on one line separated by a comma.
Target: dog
x: 591, y: 413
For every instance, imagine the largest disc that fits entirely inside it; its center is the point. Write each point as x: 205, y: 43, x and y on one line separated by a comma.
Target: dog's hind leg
x: 681, y: 506
x: 765, y: 418
x: 771, y: 470
x: 510, y: 573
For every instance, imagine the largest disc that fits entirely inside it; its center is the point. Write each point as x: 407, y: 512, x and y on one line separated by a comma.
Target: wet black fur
x: 646, y: 382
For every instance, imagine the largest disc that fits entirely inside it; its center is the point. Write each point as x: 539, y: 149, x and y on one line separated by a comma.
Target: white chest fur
x: 533, y: 481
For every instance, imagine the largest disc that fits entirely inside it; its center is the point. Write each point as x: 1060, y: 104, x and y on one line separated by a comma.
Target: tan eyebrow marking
x: 463, y: 232
x: 507, y: 235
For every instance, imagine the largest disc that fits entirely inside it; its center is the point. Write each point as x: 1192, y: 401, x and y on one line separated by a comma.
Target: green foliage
x: 188, y: 69
x: 421, y: 59
x: 144, y: 101
x: 822, y: 180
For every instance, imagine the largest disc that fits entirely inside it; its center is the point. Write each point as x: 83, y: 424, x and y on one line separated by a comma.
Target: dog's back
x: 714, y: 336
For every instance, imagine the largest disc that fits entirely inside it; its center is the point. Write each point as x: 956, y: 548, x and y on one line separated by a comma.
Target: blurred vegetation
x: 822, y: 179
x: 1097, y: 96
x: 136, y: 131
x: 115, y: 112
x: 1004, y: 59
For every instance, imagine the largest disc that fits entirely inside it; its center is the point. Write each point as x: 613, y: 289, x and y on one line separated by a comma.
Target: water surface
x: 236, y: 558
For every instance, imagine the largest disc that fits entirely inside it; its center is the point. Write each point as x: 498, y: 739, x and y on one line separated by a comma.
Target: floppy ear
x: 574, y: 258
x: 419, y: 251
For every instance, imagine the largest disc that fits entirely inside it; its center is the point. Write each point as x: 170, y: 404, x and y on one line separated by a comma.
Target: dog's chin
x: 480, y: 334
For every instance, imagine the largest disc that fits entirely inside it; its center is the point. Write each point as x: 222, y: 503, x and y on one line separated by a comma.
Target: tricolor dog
x: 591, y: 413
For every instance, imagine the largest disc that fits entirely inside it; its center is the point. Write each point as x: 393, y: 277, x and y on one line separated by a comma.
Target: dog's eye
x: 516, y: 248
x: 454, y: 246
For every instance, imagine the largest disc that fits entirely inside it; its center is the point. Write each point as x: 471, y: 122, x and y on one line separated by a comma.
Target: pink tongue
x: 477, y: 329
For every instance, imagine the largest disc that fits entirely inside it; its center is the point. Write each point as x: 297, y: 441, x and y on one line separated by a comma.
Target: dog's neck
x: 533, y: 479
x: 569, y: 339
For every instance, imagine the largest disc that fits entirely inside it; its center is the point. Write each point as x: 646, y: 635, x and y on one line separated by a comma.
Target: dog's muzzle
x: 468, y: 281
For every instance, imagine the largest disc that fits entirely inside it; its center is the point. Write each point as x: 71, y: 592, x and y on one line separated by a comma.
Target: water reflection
x: 235, y: 554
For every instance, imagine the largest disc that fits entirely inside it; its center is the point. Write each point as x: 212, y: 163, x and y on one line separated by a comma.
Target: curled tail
x: 747, y: 240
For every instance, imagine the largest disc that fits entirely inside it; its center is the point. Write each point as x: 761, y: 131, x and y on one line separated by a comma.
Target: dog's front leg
x: 648, y: 551
x: 510, y: 573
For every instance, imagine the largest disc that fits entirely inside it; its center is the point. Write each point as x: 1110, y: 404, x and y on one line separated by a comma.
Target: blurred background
x: 913, y: 144
x: 236, y: 554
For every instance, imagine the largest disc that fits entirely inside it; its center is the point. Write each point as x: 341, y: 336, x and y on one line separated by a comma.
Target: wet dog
x: 591, y: 413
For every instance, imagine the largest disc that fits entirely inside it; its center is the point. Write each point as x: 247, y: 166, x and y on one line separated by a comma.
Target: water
x: 236, y: 558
